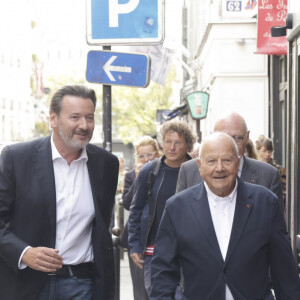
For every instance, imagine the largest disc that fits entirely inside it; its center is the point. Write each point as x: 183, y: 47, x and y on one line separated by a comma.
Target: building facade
x: 16, y: 101
x: 264, y: 88
x: 221, y: 38
x: 293, y: 128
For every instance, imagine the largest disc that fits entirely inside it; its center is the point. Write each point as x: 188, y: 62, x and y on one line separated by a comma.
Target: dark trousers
x: 65, y: 288
x: 137, y: 276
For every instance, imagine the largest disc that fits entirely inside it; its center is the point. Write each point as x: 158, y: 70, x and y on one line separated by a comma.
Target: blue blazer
x: 28, y: 215
x: 259, y: 246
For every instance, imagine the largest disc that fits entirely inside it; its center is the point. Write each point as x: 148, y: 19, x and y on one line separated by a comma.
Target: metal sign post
x: 107, y: 139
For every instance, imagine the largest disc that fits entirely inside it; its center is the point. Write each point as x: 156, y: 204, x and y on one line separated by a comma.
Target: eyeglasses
x: 170, y: 143
x: 146, y: 156
x: 239, y: 138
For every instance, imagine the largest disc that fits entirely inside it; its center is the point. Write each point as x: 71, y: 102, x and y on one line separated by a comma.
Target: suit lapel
x: 202, y: 213
x: 43, y: 165
x: 247, y: 174
x: 95, y: 169
x: 242, y: 212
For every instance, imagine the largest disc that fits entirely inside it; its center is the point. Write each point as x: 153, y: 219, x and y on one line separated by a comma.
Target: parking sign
x: 125, y: 22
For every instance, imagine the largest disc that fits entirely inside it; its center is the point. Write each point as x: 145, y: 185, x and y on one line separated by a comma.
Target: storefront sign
x: 271, y: 13
x: 198, y: 104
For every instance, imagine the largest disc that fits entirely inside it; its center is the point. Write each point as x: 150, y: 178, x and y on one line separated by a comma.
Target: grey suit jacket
x: 254, y: 171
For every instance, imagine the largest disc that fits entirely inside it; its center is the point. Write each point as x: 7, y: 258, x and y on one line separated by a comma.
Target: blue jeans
x: 147, y: 278
x: 67, y: 288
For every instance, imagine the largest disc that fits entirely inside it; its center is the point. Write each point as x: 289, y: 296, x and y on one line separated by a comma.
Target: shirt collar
x: 56, y: 155
x: 216, y: 198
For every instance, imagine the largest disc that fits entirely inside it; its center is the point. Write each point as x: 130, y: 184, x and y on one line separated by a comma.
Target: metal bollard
x: 116, y: 231
x: 121, y: 222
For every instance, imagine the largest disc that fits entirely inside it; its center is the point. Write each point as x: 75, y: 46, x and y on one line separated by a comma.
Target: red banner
x: 271, y: 13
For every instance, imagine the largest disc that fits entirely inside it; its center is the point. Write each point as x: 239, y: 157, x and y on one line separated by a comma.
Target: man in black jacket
x: 56, y: 199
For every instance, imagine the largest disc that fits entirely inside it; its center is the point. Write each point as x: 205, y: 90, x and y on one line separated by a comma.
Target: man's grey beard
x: 70, y: 142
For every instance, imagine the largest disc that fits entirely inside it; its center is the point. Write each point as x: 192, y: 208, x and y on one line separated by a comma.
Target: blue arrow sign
x: 125, y: 22
x: 115, y: 68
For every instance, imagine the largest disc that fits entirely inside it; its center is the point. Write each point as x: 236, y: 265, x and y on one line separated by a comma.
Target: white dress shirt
x: 74, y: 208
x: 222, y: 213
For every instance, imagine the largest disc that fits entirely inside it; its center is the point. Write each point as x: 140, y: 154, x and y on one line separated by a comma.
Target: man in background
x: 250, y: 170
x: 156, y: 183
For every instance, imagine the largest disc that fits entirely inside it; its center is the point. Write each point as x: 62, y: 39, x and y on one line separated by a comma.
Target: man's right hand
x: 42, y: 259
x: 137, y: 259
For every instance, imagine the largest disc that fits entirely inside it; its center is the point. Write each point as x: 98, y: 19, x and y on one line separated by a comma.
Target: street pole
x: 107, y: 144
x: 107, y: 140
x: 116, y: 245
x: 199, y: 133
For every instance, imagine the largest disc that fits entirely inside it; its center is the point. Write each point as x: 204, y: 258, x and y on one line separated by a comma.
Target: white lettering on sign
x: 115, y: 9
x: 281, y: 5
x: 234, y: 5
x: 269, y: 18
x: 108, y: 68
x: 281, y: 15
x: 265, y: 5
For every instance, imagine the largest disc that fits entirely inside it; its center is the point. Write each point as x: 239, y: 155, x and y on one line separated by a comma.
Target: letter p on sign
x: 115, y: 9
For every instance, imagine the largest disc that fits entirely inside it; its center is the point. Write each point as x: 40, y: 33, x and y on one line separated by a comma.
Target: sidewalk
x: 126, y: 292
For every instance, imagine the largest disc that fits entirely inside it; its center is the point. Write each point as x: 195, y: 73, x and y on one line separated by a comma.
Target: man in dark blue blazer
x: 56, y: 199
x: 228, y: 236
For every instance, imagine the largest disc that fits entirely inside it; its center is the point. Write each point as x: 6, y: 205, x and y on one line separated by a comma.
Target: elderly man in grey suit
x: 250, y: 170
